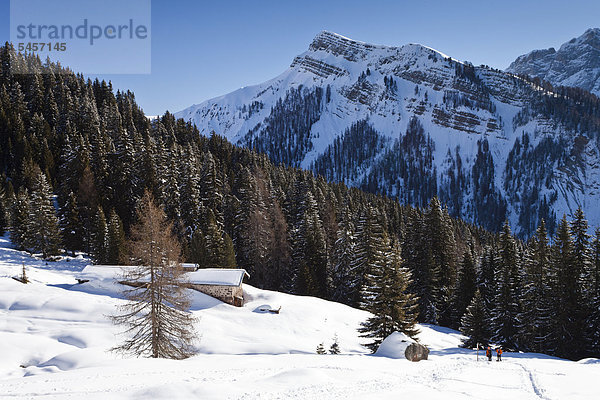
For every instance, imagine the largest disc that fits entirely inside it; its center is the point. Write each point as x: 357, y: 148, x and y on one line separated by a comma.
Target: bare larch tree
x: 158, y: 323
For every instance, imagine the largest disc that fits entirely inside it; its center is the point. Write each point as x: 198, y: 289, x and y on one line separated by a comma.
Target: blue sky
x: 204, y: 49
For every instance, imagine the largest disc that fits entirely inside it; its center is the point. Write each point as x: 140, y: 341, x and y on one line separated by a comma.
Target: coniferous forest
x: 76, y: 158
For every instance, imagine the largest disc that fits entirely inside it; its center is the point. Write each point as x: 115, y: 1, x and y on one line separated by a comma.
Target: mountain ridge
x: 576, y: 63
x: 469, y: 120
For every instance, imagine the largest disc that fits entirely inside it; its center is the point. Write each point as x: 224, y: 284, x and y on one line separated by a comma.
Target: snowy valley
x: 55, y: 339
x: 370, y: 222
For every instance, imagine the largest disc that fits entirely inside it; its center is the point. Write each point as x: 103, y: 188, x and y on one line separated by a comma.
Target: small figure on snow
x: 488, y: 353
x: 499, y: 353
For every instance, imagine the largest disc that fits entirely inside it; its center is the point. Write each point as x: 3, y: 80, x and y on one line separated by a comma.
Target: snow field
x: 55, y: 337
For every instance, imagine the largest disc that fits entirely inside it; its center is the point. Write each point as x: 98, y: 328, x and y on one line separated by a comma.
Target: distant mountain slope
x: 576, y: 63
x: 411, y: 122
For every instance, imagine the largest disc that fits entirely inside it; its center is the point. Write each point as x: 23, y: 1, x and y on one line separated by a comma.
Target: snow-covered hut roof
x: 217, y: 276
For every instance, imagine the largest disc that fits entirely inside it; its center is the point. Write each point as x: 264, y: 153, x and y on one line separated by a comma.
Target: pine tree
x: 156, y: 309
x: 403, y: 304
x: 87, y: 202
x: 374, y: 294
x: 3, y: 209
x: 211, y: 248
x: 581, y: 251
x: 321, y: 349
x: 197, y: 249
x: 335, y: 346
x: 536, y: 312
x: 474, y: 324
x: 505, y: 323
x: 486, y: 283
x: 465, y: 286
x: 99, y: 238
x: 566, y: 335
x: 249, y: 227
x: 70, y: 225
x: 370, y: 256
x: 386, y: 297
x: 213, y: 239
x: 418, y: 261
x: 228, y: 255
x: 115, y: 240
x: 441, y: 244
x: 309, y: 251
x: 19, y: 225
x: 342, y: 259
x: 43, y: 225
x: 593, y: 319
x: 581, y: 254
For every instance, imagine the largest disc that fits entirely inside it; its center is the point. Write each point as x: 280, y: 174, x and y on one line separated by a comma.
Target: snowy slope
x: 55, y: 336
x: 458, y: 105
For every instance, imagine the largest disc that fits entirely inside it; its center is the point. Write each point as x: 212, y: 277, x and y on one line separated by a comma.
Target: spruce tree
x: 403, y: 304
x: 593, y: 319
x: 20, y: 234
x: 321, y: 349
x: 44, y: 231
x: 386, y: 296
x: 440, y: 243
x: 474, y: 324
x: 70, y: 225
x: 375, y: 292
x: 486, y: 280
x: 465, y: 287
x: 99, y: 238
x: 536, y: 313
x: 211, y: 248
x: 115, y: 240
x: 581, y: 254
x: 197, y: 249
x: 228, y: 255
x: 3, y: 209
x: 370, y: 257
x: 87, y: 202
x: 342, y: 260
x: 581, y: 251
x: 310, y: 251
x: 566, y: 335
x: 335, y: 346
x: 505, y: 322
x: 418, y: 260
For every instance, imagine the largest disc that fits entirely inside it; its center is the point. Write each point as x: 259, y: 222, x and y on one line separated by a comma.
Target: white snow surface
x: 394, y: 346
x: 217, y: 276
x: 55, y: 339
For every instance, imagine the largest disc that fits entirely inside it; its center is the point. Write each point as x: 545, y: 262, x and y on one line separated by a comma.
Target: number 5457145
x: 33, y: 47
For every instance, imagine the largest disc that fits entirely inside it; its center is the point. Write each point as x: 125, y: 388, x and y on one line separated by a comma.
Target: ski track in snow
x: 534, y: 386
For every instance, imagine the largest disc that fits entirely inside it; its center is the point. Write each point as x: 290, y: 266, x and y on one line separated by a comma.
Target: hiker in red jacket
x: 499, y: 353
x: 488, y: 353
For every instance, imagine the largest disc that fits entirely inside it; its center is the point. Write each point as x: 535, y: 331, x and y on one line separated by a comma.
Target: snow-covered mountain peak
x: 339, y: 45
x: 576, y: 63
x: 356, y: 51
x: 590, y: 37
x: 345, y: 109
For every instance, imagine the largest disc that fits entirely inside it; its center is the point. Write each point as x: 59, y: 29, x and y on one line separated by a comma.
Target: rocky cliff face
x: 576, y: 63
x: 411, y: 122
